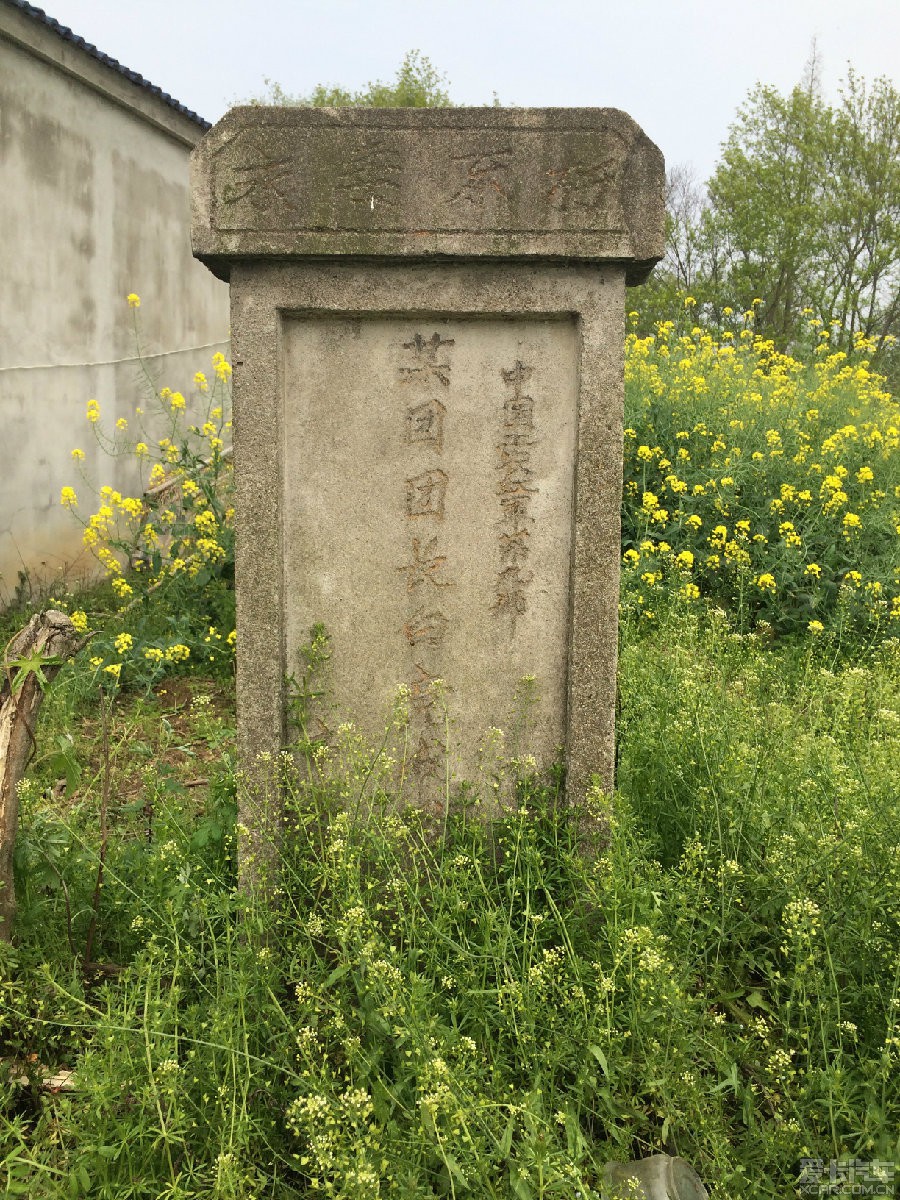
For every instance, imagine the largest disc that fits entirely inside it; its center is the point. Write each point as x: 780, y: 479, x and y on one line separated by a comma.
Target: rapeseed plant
x: 174, y: 539
x: 780, y: 477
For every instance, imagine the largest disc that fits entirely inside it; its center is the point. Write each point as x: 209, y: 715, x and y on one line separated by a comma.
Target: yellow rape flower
x: 93, y: 411
x: 67, y: 497
x: 77, y: 454
x: 79, y: 620
x: 134, y: 300
x: 123, y: 643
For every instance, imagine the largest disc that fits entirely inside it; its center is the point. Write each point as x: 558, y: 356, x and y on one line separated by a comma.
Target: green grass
x: 496, y: 1013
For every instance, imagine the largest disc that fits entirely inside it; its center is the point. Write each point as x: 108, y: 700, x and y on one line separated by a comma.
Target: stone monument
x: 427, y: 340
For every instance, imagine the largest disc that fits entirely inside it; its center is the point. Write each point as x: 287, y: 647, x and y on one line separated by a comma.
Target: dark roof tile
x: 64, y: 32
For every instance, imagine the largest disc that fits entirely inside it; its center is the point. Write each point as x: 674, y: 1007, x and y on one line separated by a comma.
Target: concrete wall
x: 94, y: 204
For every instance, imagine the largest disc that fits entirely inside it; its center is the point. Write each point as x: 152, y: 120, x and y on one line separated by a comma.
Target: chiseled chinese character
x: 514, y: 547
x: 486, y: 176
x: 423, y: 696
x: 425, y: 494
x: 425, y: 566
x: 517, y: 375
x: 425, y: 424
x: 369, y: 176
x: 583, y: 185
x: 518, y: 412
x: 511, y: 597
x: 515, y: 507
x: 269, y: 177
x: 427, y: 351
x: 428, y: 754
x: 428, y: 627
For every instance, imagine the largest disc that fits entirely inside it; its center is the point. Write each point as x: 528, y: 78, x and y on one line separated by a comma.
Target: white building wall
x: 94, y: 204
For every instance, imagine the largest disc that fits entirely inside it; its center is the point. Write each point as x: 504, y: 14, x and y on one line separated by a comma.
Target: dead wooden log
x: 31, y: 660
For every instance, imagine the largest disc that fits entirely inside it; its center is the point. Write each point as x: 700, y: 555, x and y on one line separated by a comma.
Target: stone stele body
x: 427, y: 337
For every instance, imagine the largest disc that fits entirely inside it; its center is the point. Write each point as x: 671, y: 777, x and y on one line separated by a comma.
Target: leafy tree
x: 858, y: 276
x: 802, y: 212
x: 417, y: 85
x: 765, y: 199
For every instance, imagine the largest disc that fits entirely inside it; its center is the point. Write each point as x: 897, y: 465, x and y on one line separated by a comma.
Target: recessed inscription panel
x: 428, y: 479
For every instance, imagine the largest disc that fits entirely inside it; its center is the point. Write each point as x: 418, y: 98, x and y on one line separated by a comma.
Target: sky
x: 681, y: 68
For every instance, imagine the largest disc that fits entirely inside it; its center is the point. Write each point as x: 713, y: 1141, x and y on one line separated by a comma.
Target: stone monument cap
x: 535, y: 184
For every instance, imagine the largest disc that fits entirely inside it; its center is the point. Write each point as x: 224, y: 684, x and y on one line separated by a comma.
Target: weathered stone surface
x: 578, y: 184
x: 428, y: 417
x: 433, y: 527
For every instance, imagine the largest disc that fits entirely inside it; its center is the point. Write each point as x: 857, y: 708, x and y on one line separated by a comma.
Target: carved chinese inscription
x: 426, y: 565
x: 430, y: 360
x: 369, y: 175
x: 424, y: 371
x: 425, y: 494
x: 485, y: 177
x: 583, y: 187
x: 515, y: 489
x: 273, y: 177
x: 425, y: 423
x: 427, y: 475
x: 361, y: 173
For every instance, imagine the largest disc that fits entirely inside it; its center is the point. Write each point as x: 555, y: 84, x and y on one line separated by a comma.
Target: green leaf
x: 601, y: 1059
x: 507, y: 1139
x: 455, y: 1169
x: 757, y: 1000
x: 336, y: 974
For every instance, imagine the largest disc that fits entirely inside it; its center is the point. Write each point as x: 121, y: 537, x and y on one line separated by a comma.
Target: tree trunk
x: 32, y: 658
